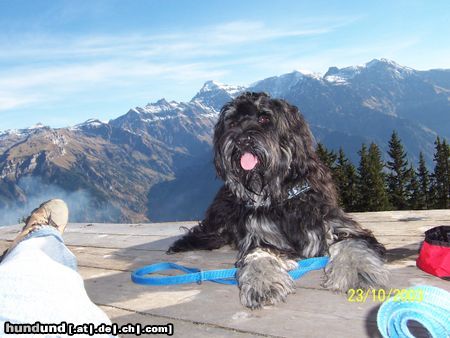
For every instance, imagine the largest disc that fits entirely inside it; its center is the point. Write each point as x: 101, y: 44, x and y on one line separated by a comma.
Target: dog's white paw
x: 354, y: 265
x: 264, y: 280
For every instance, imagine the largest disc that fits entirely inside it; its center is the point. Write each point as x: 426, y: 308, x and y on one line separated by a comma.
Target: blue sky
x: 62, y: 62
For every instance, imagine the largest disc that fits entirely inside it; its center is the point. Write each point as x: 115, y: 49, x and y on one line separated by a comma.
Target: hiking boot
x: 54, y: 213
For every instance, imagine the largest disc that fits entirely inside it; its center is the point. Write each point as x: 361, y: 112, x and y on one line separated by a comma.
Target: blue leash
x: 432, y: 312
x: 226, y: 276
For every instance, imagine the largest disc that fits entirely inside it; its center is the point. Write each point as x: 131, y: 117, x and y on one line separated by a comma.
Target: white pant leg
x: 39, y: 282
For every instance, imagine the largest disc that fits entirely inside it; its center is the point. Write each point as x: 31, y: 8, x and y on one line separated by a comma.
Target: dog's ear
x: 305, y: 162
x: 219, y: 131
x: 297, y: 126
x: 295, y: 137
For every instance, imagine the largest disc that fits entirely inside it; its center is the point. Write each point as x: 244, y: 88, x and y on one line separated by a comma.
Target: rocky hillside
x: 114, y: 164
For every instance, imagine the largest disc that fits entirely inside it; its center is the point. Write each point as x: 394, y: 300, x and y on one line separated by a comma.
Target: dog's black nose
x: 244, y: 141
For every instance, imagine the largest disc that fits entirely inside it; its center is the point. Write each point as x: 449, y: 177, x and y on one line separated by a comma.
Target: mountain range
x: 154, y: 163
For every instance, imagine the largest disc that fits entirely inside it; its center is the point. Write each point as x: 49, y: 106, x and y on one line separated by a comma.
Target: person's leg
x: 47, y: 220
x: 38, y: 275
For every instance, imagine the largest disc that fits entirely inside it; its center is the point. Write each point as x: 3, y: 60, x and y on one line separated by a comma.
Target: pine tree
x: 441, y: 176
x: 351, y: 194
x: 372, y: 188
x: 412, y: 190
x: 380, y: 196
x: 346, y: 182
x: 423, y: 179
x: 328, y: 157
x: 398, y: 176
x: 446, y: 165
x: 363, y: 180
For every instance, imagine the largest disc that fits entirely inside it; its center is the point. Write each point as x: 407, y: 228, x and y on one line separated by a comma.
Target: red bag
x: 434, y: 255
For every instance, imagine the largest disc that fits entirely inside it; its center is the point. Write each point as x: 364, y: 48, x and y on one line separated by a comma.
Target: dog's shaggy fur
x: 257, y: 212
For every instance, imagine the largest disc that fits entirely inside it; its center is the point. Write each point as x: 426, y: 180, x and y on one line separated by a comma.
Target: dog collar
x: 293, y: 192
x: 298, y: 189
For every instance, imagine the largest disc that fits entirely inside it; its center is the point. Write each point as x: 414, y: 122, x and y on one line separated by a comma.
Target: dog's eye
x: 263, y: 119
x: 232, y: 124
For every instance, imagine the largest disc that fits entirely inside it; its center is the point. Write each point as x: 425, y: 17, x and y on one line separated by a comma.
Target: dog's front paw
x: 257, y: 293
x: 354, y: 266
x: 264, y: 281
x: 341, y: 279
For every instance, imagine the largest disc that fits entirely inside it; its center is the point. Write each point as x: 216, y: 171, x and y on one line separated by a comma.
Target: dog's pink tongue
x: 248, y: 161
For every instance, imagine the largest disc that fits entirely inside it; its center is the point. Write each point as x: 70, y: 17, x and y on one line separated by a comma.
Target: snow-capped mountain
x: 365, y: 103
x: 278, y: 86
x: 155, y: 162
x: 214, y: 94
x: 384, y: 67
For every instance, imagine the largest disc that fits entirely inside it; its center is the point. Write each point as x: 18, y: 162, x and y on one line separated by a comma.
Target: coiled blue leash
x: 226, y: 276
x: 432, y: 312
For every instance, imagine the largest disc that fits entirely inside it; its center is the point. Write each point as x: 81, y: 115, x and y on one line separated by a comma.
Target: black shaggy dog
x: 279, y: 204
